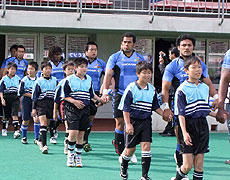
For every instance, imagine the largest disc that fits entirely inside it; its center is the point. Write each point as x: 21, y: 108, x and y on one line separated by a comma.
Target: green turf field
x: 26, y: 162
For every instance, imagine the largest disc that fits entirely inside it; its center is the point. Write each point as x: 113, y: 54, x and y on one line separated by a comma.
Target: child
x: 192, y: 107
x: 68, y: 68
x: 137, y: 104
x: 77, y: 92
x: 43, y: 101
x: 9, y: 98
x: 25, y: 90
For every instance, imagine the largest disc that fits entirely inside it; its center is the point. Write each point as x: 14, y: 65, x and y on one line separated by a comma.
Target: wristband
x: 105, y: 91
x: 215, y: 96
x: 164, y: 106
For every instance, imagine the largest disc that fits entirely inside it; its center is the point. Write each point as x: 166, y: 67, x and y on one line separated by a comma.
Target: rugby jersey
x: 78, y: 89
x: 226, y: 61
x: 26, y: 85
x: 192, y: 100
x: 9, y: 85
x: 124, y: 68
x: 57, y: 96
x: 139, y: 102
x: 96, y: 69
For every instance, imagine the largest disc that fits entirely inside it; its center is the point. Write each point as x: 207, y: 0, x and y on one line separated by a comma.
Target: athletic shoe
x: 123, y: 173
x: 24, y: 140
x: 44, y: 150
x: 78, y: 161
x: 65, y: 147
x: 145, y: 178
x: 53, y: 140
x: 186, y: 178
x: 56, y: 134
x: 116, y: 146
x: 227, y: 162
x: 133, y: 159
x: 87, y: 148
x: 70, y: 160
x: 4, y: 132
x: 16, y: 134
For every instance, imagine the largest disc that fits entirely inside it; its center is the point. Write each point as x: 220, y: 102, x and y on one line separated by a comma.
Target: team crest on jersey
x: 137, y: 59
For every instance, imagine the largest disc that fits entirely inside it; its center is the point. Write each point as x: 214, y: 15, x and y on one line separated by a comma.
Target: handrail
x: 151, y: 12
x: 79, y: 18
x: 222, y: 16
x: 4, y: 8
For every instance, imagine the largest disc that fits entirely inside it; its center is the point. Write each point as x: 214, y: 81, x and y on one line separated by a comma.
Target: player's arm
x: 2, y: 87
x: 128, y: 126
x: 106, y: 82
x: 186, y: 136
x: 212, y: 90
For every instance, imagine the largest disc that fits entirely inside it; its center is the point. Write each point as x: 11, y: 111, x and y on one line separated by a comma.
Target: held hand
x: 187, y: 139
x: 221, y: 115
x: 167, y: 115
x: 129, y: 129
x: 161, y: 60
x: 215, y: 104
x: 105, y: 98
x: 79, y: 104
x: 34, y: 113
x: 3, y: 102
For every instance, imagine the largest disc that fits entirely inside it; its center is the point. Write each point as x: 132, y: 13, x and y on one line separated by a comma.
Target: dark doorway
x: 2, y: 48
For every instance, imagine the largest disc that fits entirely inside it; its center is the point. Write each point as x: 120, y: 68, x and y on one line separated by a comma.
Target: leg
x: 24, y: 128
x: 198, y: 167
x: 87, y: 146
x: 186, y: 167
x: 36, y: 129
x: 145, y: 158
x: 119, y: 135
x: 79, y: 146
x: 66, y: 138
x: 178, y: 156
x: 43, y: 129
x: 71, y: 147
x: 16, y: 124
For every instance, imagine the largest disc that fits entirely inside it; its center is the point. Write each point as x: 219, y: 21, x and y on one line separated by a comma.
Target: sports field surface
x: 26, y: 162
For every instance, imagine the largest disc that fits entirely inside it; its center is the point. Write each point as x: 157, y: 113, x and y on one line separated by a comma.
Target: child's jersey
x: 26, y: 85
x: 44, y: 88
x: 57, y: 96
x: 124, y: 69
x: 21, y: 65
x: 9, y: 85
x: 192, y: 100
x: 139, y: 102
x: 78, y: 89
x: 96, y: 69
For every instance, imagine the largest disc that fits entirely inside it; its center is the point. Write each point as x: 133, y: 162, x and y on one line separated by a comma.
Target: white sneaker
x: 44, y: 150
x: 16, y: 134
x: 4, y: 132
x: 53, y: 140
x: 65, y: 147
x: 70, y: 160
x: 133, y: 159
x: 78, y: 161
x: 186, y: 178
x: 120, y: 159
x: 56, y: 134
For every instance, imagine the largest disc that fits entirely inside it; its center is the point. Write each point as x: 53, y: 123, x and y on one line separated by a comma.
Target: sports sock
x: 79, y: 149
x: 180, y: 175
x: 71, y: 147
x: 15, y: 124
x: 4, y: 124
x: 24, y: 130
x: 145, y: 161
x: 119, y: 139
x: 179, y: 157
x: 36, y: 130
x: 125, y: 161
x: 56, y: 124
x: 66, y: 138
x: 197, y: 175
x: 43, y: 134
x: 87, y: 132
x: 52, y: 124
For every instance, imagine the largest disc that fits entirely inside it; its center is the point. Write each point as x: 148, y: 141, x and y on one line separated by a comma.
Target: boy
x: 68, y: 70
x: 10, y: 101
x: 137, y: 103
x: 43, y: 101
x: 25, y: 90
x: 77, y: 92
x: 192, y: 107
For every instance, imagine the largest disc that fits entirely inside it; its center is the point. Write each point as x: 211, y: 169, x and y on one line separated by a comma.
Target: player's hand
x: 222, y: 115
x: 129, y: 129
x: 105, y: 98
x: 55, y: 116
x: 34, y: 113
x: 167, y: 115
x: 187, y: 139
x: 3, y: 102
x: 215, y: 104
x: 79, y: 104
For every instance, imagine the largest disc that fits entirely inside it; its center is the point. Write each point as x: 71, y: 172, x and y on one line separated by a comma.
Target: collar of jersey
x: 140, y: 88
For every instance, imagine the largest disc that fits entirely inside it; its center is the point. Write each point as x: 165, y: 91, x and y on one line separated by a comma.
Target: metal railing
x: 217, y: 8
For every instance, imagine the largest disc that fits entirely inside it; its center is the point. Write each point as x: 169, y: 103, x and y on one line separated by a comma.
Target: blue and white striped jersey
x: 124, y: 69
x: 139, y: 102
x: 78, y: 89
x: 192, y: 100
x: 57, y: 96
x: 26, y: 85
x: 9, y: 85
x: 226, y: 61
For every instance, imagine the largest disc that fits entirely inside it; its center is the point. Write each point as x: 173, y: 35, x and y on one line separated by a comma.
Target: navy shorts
x: 116, y: 101
x: 26, y: 108
x: 199, y: 133
x: 12, y: 105
x: 45, y: 107
x: 93, y: 108
x: 142, y: 133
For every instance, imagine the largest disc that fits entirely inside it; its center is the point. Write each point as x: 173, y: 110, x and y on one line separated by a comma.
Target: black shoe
x: 87, y: 147
x: 166, y: 134
x: 227, y: 162
x: 123, y: 173
x: 24, y: 140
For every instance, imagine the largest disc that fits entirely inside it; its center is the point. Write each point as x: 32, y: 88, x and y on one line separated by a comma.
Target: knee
x: 145, y: 147
x: 186, y: 168
x: 199, y: 167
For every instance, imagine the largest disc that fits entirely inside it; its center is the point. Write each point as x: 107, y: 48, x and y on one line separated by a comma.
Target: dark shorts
x: 93, y: 108
x: 199, y: 133
x: 12, y: 105
x: 77, y: 119
x: 45, y: 107
x: 26, y: 108
x: 142, y: 133
x: 116, y: 101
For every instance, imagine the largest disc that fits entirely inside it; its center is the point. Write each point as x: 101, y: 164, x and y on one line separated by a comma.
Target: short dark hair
x: 129, y: 34
x: 90, y: 43
x: 34, y: 65
x: 13, y: 47
x: 20, y: 46
x: 12, y: 64
x: 175, y: 51
x: 80, y: 60
x: 191, y: 60
x: 44, y: 64
x: 142, y: 65
x: 185, y: 36
x: 54, y: 50
x: 66, y: 64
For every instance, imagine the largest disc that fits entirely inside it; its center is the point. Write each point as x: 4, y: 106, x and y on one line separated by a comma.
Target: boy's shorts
x: 93, y: 108
x: 12, y: 105
x: 45, y: 107
x: 77, y: 119
x: 116, y: 101
x: 142, y: 133
x: 26, y: 108
x: 199, y: 133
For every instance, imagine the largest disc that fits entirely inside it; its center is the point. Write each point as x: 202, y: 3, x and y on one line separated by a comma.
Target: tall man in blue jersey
x: 174, y: 75
x: 96, y: 69
x: 21, y: 63
x: 122, y: 66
